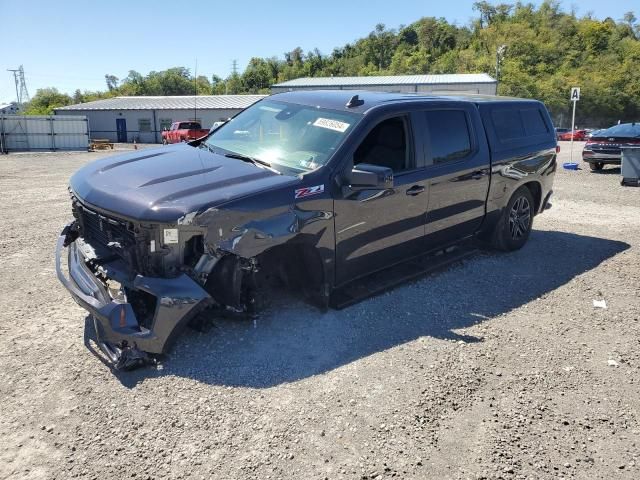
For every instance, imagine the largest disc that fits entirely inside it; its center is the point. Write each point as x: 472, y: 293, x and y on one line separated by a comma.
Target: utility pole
x: 195, y: 93
x: 500, y: 51
x: 15, y: 78
x: 22, y: 94
x: 575, y: 96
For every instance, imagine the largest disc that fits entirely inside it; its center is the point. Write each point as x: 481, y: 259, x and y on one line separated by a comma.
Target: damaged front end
x: 142, y: 284
x: 144, y: 281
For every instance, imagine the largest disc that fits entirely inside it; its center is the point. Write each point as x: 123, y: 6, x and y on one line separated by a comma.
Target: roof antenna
x: 195, y: 89
x: 354, y: 102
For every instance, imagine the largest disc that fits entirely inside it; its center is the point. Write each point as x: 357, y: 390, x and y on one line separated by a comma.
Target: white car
x: 216, y: 125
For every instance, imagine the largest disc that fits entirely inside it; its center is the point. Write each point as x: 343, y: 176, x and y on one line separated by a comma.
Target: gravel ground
x: 500, y: 367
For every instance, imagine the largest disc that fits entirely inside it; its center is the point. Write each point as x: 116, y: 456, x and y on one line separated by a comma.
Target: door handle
x: 415, y: 190
x: 478, y: 175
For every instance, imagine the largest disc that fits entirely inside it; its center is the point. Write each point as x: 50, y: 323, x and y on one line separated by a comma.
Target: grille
x: 99, y: 230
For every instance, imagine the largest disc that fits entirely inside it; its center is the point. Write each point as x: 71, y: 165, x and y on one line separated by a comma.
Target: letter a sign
x: 575, y: 94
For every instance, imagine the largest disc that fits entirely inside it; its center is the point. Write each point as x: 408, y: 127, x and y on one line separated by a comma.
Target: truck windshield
x: 298, y: 137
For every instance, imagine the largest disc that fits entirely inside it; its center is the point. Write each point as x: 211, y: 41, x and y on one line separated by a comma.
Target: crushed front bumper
x: 117, y: 328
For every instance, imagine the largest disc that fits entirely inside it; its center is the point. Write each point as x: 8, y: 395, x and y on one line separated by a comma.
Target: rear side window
x: 448, y: 134
x: 507, y: 123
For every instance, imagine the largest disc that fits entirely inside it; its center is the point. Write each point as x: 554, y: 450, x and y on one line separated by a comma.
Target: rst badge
x: 309, y: 191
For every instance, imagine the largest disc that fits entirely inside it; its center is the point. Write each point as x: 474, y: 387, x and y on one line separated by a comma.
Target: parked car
x: 183, y: 132
x: 594, y: 132
x: 216, y: 125
x: 578, y: 135
x: 604, y: 147
x: 560, y: 131
x: 310, y: 191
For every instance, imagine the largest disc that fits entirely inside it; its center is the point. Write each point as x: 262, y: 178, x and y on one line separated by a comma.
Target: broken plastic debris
x: 612, y: 363
x: 600, y: 304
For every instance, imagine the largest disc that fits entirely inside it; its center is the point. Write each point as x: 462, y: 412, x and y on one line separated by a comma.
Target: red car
x: 183, y: 132
x: 578, y: 135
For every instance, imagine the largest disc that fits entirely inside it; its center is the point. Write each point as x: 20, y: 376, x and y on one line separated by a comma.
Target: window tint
x: 385, y: 145
x: 449, y: 135
x: 533, y: 121
x: 507, y: 123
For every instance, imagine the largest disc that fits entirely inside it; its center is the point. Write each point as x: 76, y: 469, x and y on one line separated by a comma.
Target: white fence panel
x: 42, y: 132
x: 70, y: 132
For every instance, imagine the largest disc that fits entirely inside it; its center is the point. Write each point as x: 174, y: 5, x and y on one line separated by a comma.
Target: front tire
x: 514, y: 227
x: 596, y: 166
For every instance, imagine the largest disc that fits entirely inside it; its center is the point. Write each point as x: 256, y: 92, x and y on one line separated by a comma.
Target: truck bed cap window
x: 515, y: 126
x: 507, y: 123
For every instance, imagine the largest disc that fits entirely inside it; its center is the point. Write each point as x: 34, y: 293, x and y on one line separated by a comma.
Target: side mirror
x: 365, y: 175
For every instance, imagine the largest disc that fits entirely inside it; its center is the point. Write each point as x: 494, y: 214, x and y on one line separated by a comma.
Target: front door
x: 121, y: 129
x: 377, y: 228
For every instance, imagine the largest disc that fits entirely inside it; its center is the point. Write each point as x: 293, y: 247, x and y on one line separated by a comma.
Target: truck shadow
x: 292, y: 341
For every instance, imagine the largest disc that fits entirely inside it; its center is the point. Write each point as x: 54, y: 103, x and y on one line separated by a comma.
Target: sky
x: 71, y: 44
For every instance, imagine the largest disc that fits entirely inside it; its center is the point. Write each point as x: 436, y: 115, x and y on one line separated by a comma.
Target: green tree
x: 45, y: 100
x: 112, y: 82
x: 257, y: 77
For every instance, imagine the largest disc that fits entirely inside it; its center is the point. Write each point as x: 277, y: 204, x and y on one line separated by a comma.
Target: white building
x: 125, y: 119
x: 9, y: 108
x: 476, y: 83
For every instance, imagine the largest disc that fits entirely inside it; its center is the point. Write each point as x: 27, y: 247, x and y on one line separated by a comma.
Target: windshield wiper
x: 256, y: 161
x: 204, y: 144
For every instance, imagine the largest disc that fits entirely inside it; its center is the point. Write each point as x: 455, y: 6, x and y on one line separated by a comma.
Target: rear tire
x: 514, y: 227
x: 596, y: 166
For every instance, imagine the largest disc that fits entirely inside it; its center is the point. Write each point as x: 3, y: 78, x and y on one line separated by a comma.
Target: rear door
x: 458, y: 170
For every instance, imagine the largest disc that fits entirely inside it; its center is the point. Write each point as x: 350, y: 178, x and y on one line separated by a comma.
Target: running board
x: 391, y: 277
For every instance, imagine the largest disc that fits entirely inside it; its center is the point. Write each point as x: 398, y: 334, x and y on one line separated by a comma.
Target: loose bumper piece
x: 117, y: 327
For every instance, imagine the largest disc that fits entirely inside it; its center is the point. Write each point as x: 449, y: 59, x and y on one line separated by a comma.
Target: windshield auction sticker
x: 331, y: 124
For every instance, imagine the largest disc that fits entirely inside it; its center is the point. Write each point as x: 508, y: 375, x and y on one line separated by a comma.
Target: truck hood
x: 163, y: 184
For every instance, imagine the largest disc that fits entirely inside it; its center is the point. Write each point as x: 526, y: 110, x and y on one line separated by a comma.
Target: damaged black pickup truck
x: 307, y: 190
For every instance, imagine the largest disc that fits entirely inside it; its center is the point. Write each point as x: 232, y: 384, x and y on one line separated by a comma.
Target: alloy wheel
x: 519, y: 218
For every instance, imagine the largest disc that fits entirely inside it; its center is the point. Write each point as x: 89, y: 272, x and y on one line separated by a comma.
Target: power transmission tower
x: 22, y: 94
x: 234, y: 75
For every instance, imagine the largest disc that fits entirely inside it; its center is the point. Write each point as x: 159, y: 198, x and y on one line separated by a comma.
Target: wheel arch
x: 493, y: 218
x: 536, y: 192
x: 301, y: 267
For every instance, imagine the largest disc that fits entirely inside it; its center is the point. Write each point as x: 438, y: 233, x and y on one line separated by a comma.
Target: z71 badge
x: 309, y: 191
